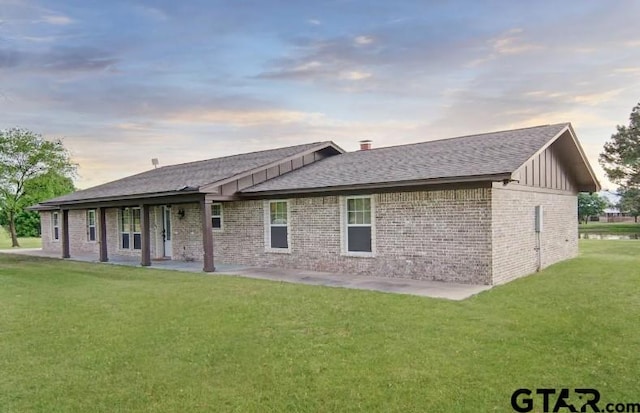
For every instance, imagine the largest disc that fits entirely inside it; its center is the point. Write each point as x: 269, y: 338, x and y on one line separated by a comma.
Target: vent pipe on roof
x: 365, y: 145
x: 154, y: 162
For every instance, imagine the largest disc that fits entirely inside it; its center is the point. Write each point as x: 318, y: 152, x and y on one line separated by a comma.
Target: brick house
x: 481, y: 209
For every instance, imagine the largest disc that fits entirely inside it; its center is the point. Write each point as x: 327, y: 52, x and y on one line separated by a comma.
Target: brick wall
x: 482, y: 235
x: 79, y: 243
x: 46, y: 229
x: 431, y: 235
x: 187, y: 232
x: 514, y: 236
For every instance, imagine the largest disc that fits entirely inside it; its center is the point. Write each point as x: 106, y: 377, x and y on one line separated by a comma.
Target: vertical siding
x: 231, y: 188
x: 545, y: 170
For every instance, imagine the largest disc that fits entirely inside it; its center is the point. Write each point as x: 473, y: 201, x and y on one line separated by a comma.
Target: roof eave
x: 56, y: 205
x: 503, y: 176
x: 596, y: 184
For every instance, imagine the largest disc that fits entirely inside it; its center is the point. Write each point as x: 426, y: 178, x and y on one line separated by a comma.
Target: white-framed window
x: 359, y: 230
x: 91, y: 225
x: 130, y: 229
x: 277, y: 234
x: 216, y: 216
x: 55, y: 225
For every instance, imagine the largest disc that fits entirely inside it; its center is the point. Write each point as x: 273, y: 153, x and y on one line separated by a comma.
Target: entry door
x: 166, y: 230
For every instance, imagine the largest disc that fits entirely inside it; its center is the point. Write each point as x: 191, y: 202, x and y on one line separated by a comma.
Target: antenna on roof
x: 154, y: 162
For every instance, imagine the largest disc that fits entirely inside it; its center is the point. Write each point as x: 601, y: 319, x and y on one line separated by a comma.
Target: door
x: 166, y: 230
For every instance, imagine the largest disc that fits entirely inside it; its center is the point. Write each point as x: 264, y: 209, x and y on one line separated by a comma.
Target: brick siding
x: 430, y: 235
x: 480, y: 236
x: 515, y: 251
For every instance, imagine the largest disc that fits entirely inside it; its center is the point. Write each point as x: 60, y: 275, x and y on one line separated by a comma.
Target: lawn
x: 78, y: 337
x: 5, y: 241
x: 610, y: 227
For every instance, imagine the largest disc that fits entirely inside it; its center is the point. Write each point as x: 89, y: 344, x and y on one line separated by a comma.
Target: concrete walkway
x: 435, y: 289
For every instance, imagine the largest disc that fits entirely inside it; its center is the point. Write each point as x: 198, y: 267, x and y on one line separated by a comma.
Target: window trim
x: 94, y: 226
x: 344, y: 227
x: 267, y: 226
x: 131, y: 232
x: 55, y: 224
x: 221, y: 217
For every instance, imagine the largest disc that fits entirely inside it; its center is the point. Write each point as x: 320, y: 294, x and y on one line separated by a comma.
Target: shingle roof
x: 187, y: 176
x: 467, y: 156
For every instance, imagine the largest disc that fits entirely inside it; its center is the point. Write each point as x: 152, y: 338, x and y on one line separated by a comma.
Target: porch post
x: 65, y: 234
x: 102, y: 229
x: 207, y: 235
x: 146, y: 237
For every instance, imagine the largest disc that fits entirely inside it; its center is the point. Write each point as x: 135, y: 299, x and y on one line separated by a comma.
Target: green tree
x: 621, y: 156
x: 25, y: 156
x: 590, y: 205
x: 46, y: 186
x: 630, y: 202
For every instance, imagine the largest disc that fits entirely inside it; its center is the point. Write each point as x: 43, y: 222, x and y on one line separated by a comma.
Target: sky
x: 122, y: 82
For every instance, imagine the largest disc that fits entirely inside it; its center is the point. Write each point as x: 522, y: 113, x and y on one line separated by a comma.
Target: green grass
x: 610, y: 227
x: 5, y: 241
x: 78, y: 337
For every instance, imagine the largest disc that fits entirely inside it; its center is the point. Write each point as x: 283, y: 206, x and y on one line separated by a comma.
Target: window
x: 359, y: 226
x: 91, y: 225
x: 130, y: 229
x: 136, y: 228
x: 278, y: 235
x: 125, y: 228
x: 216, y: 216
x: 55, y: 223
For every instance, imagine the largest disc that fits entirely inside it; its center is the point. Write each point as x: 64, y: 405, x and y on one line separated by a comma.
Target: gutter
x: 45, y: 206
x: 506, y: 176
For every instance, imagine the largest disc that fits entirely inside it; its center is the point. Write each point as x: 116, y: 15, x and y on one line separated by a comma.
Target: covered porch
x: 141, y: 231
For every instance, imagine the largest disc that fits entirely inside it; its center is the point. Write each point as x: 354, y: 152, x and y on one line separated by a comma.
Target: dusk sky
x: 126, y: 81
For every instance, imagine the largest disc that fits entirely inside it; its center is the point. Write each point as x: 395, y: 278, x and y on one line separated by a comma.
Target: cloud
x: 511, y: 42
x: 57, y: 20
x: 243, y: 118
x: 363, y: 40
x: 355, y: 75
x: 314, y: 22
x: 58, y: 59
x: 597, y: 98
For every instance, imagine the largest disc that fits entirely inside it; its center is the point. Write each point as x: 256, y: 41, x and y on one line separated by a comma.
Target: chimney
x: 365, y: 145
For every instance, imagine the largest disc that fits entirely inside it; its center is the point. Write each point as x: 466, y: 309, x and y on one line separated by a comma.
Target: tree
x: 25, y: 156
x: 621, y: 156
x: 590, y: 205
x: 49, y: 185
x: 630, y: 202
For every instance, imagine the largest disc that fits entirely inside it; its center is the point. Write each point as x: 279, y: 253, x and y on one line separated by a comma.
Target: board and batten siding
x: 230, y: 188
x: 545, y: 170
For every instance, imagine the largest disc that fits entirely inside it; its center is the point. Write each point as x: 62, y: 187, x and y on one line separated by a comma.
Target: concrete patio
x: 434, y: 289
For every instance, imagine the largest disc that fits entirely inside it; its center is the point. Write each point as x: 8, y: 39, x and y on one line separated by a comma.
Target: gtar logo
x: 523, y: 402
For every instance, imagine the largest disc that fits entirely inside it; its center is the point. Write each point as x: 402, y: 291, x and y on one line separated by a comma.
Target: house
x: 612, y: 212
x: 482, y: 209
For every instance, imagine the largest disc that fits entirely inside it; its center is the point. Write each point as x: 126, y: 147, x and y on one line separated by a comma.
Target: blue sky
x: 126, y: 81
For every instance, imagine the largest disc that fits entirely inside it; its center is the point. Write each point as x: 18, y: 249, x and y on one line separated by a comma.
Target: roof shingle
x: 467, y: 156
x: 186, y: 176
